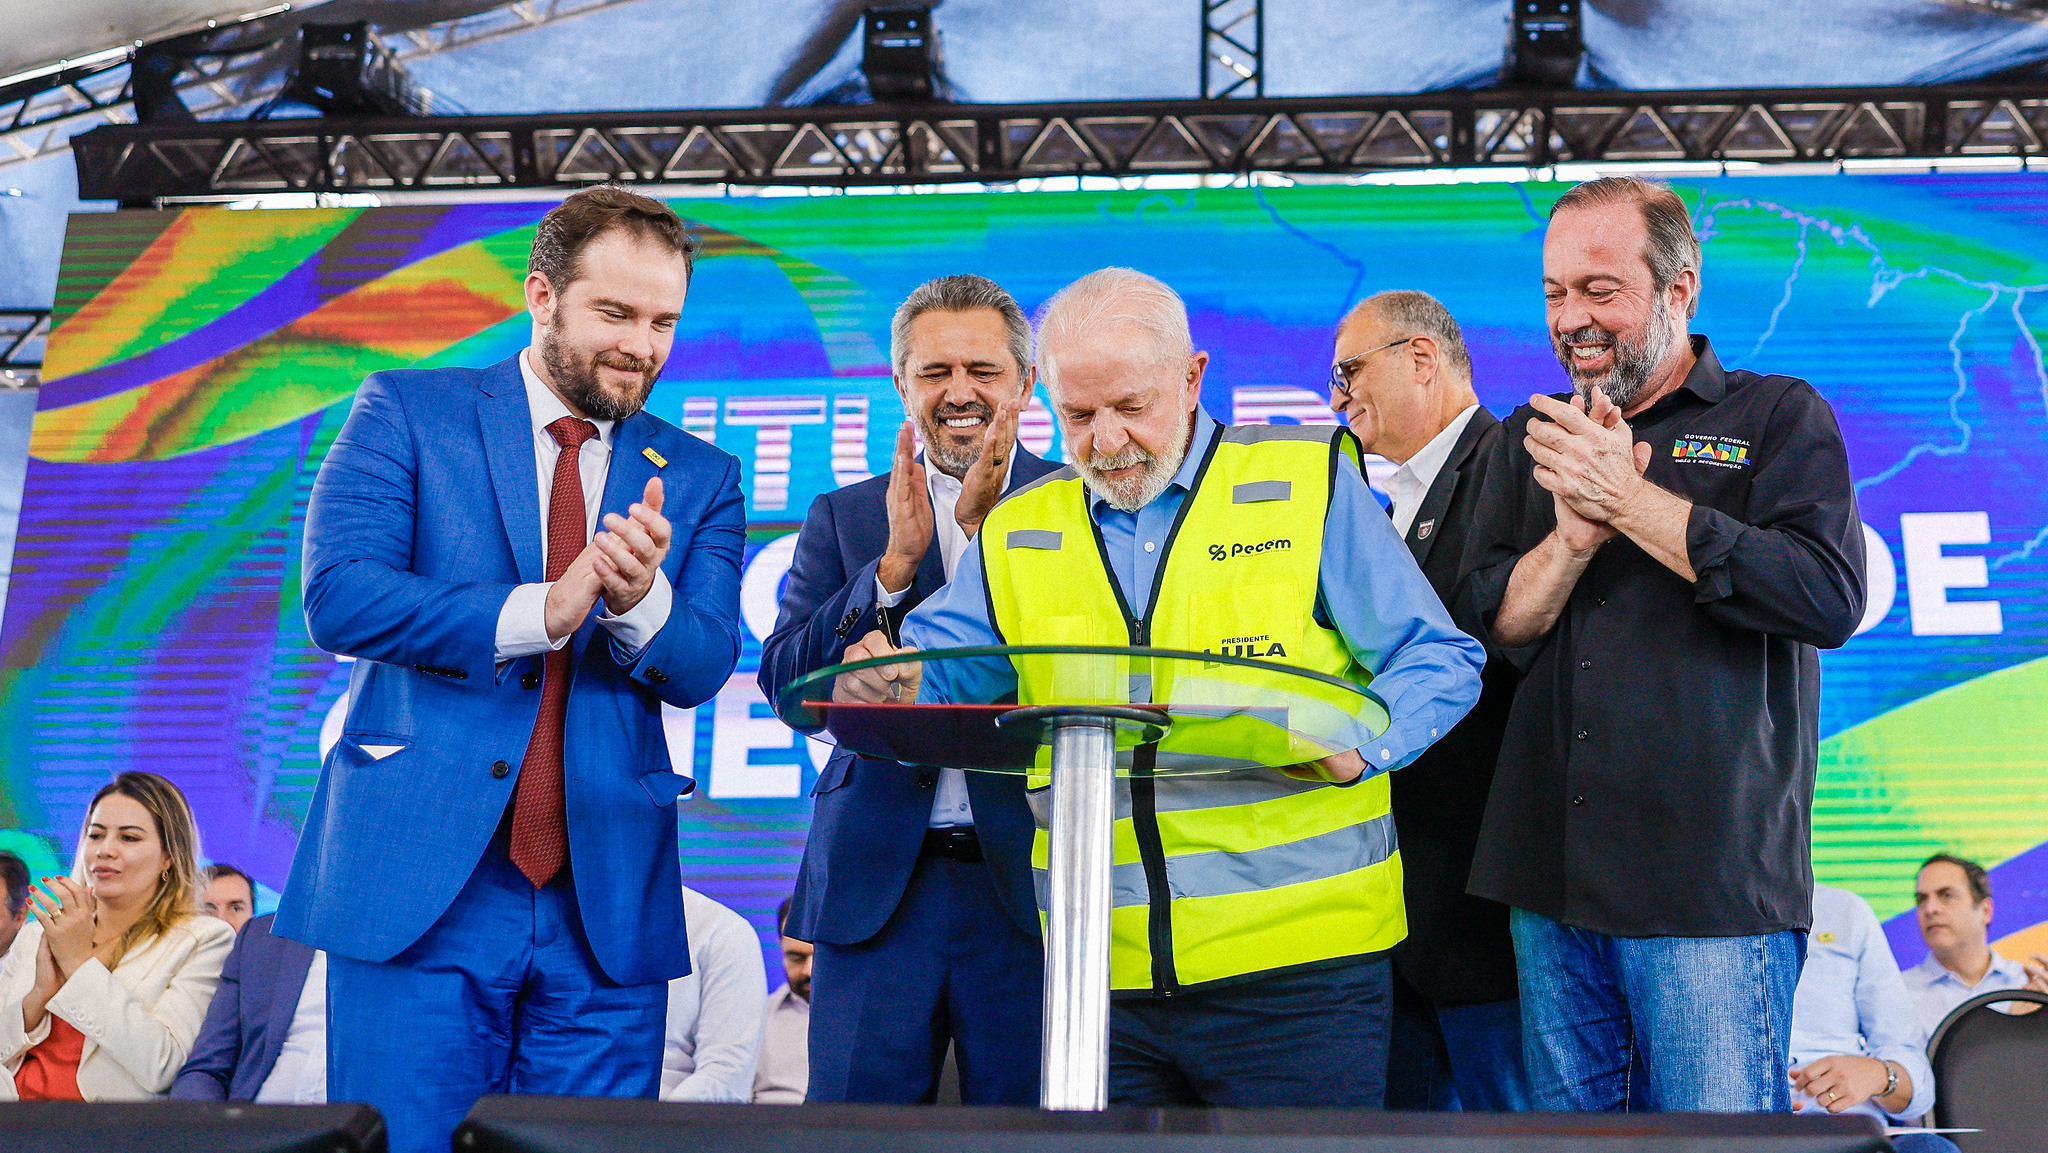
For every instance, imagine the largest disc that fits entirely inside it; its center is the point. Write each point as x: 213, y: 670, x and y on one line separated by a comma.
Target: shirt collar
x: 1184, y: 479
x: 546, y: 408
x: 1707, y: 380
x: 1429, y: 459
x: 1933, y: 971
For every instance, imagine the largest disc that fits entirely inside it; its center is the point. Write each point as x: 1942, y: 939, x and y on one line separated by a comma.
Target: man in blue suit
x: 916, y: 884
x: 270, y: 999
x: 502, y: 770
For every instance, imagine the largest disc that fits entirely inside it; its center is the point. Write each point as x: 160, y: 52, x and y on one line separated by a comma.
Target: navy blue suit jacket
x: 870, y: 818
x: 424, y: 517
x: 250, y: 1015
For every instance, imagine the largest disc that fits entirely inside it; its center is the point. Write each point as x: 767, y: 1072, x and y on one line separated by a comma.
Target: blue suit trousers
x: 950, y: 964
x: 502, y: 995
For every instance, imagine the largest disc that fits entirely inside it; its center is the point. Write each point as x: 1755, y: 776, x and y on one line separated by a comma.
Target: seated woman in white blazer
x: 102, y: 997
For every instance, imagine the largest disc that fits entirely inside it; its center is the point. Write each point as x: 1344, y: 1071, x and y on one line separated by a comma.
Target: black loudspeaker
x: 588, y: 1125
x: 1546, y: 42
x: 900, y: 51
x: 189, y: 1127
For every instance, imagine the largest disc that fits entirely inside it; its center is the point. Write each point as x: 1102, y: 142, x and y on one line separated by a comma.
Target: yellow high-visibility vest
x: 1237, y: 872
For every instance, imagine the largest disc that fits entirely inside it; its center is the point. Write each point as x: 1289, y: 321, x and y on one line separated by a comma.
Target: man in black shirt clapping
x: 1663, y: 551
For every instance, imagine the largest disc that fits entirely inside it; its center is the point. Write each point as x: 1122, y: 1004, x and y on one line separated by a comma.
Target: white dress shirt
x: 1936, y: 991
x: 715, y: 1014
x: 950, y: 807
x: 1410, y: 482
x: 785, y: 1074
x: 300, y: 1075
x: 522, y: 622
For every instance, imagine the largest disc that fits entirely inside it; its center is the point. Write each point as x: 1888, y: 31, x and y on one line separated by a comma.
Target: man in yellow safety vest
x: 1248, y: 957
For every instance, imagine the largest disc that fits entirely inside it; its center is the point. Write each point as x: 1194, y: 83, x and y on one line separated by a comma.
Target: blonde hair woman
x: 102, y: 997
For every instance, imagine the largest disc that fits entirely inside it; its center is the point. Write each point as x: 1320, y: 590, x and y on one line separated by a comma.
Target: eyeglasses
x: 1342, y: 371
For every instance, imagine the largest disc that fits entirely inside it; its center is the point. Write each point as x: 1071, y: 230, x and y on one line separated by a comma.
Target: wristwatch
x: 1891, y: 1079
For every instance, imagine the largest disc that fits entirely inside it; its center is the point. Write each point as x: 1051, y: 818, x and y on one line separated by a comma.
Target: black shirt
x: 1656, y: 775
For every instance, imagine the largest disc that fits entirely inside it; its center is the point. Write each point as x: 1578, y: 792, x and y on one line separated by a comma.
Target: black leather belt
x: 955, y: 844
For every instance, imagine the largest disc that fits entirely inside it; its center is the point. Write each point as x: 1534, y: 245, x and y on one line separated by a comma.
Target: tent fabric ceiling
x: 46, y: 31
x: 714, y: 53
x: 638, y: 54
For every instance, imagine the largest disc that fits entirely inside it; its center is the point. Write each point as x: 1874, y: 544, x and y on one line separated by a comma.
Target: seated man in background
x: 715, y: 1011
x: 1857, y: 1046
x: 230, y: 895
x: 13, y: 899
x: 785, y: 1074
x: 1953, y: 899
x: 265, y: 1036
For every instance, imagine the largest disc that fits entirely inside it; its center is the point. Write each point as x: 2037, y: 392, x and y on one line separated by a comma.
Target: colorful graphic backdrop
x: 204, y: 359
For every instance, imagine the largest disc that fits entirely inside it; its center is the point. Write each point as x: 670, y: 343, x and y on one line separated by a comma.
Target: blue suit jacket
x: 870, y: 817
x: 249, y: 1018
x: 425, y: 515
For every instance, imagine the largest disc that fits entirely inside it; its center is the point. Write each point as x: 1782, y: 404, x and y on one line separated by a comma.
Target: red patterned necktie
x: 540, y: 831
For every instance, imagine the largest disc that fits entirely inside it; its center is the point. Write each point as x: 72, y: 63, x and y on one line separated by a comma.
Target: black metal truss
x: 882, y: 145
x: 38, y: 114
x: 22, y: 334
x: 1233, y: 48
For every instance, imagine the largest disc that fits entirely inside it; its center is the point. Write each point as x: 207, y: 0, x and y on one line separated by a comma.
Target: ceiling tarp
x: 43, y: 32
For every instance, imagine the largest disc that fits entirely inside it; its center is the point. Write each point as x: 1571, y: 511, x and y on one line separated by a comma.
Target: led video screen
x: 204, y: 359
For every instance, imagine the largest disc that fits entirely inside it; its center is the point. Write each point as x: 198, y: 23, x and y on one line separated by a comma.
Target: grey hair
x: 1114, y: 296
x: 1416, y: 314
x: 1672, y: 246
x: 962, y: 293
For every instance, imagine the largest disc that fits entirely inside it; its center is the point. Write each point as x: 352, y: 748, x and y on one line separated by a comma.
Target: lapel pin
x: 1423, y: 530
x: 659, y: 460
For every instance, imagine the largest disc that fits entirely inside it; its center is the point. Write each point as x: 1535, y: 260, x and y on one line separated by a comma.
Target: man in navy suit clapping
x: 916, y: 884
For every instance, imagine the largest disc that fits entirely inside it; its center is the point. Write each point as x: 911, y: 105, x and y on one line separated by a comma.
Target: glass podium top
x: 995, y: 708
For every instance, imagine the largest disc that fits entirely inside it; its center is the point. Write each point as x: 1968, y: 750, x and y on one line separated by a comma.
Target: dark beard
x: 1635, y: 361
x: 936, y: 448
x: 578, y: 384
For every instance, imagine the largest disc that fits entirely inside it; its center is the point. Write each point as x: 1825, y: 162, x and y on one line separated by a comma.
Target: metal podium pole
x: 1075, y: 1073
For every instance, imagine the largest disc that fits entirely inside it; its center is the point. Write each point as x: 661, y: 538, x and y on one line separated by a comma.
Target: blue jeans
x: 1306, y: 1039
x: 502, y: 995
x: 1456, y: 1058
x: 1671, y: 1024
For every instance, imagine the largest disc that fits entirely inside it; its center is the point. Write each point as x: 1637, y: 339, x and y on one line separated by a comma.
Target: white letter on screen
x: 1929, y: 574
x: 737, y: 732
x: 1881, y: 580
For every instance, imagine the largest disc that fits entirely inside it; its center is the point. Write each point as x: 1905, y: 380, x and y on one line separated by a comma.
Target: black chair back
x: 1991, y: 1074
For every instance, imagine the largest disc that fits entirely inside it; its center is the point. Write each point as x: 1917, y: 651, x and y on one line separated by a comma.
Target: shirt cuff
x: 633, y: 629
x: 886, y: 599
x: 1710, y: 539
x: 523, y: 623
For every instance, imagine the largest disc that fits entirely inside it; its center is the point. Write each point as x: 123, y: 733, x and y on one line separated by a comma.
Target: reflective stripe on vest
x: 1245, y: 870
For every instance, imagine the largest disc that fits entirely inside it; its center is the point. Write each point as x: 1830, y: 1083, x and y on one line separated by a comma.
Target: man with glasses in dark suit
x: 1403, y: 381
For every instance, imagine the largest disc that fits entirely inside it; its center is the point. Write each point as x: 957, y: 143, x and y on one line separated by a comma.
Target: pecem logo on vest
x: 1221, y: 552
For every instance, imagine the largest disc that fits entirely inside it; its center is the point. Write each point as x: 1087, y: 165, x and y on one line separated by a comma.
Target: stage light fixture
x: 344, y: 71
x: 900, y: 52
x: 1546, y: 44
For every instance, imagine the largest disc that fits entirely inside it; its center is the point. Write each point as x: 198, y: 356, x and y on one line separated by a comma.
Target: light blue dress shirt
x: 1424, y: 669
x: 1851, y: 999
x: 1936, y: 991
